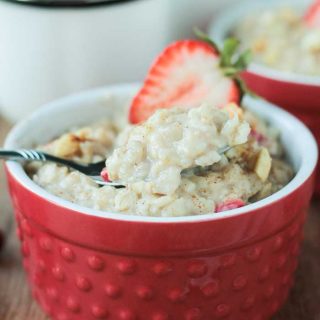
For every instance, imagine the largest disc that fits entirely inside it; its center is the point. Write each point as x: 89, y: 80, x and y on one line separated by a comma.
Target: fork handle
x: 35, y: 155
x: 23, y: 154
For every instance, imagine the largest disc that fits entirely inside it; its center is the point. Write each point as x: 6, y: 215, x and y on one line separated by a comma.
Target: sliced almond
x: 264, y: 192
x: 262, y: 165
x: 233, y: 109
x: 66, y: 146
x: 259, y: 45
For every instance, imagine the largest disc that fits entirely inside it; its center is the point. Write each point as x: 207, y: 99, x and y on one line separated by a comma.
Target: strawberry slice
x: 104, y: 175
x: 312, y: 16
x: 185, y: 74
x: 259, y: 137
x: 229, y: 205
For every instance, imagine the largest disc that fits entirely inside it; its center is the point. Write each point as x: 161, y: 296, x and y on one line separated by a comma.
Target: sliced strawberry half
x: 185, y: 74
x: 312, y: 16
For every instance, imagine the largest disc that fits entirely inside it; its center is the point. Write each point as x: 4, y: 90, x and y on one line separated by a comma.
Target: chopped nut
x: 259, y: 45
x: 263, y: 193
x: 83, y: 133
x: 262, y: 165
x: 68, y: 145
x: 233, y: 109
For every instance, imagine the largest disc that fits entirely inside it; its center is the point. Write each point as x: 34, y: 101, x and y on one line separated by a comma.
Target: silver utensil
x: 187, y: 171
x: 92, y: 170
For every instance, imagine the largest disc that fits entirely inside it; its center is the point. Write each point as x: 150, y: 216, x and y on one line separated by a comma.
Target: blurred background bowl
x: 297, y: 93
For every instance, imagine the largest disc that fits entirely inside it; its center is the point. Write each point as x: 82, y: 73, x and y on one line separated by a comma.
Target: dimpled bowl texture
x: 299, y: 94
x: 84, y: 264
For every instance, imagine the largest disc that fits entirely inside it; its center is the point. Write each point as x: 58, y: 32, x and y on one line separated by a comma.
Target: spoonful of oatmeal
x: 170, y: 143
x: 173, y: 142
x: 165, y: 142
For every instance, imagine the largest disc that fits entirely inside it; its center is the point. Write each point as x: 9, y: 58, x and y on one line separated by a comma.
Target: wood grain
x: 16, y: 302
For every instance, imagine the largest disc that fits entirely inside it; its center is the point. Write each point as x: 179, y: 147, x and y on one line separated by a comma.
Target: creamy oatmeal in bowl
x: 282, y: 35
x: 171, y: 164
x: 280, y: 38
x: 189, y: 147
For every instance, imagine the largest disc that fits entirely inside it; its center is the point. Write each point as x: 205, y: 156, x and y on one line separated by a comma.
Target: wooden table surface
x: 16, y: 302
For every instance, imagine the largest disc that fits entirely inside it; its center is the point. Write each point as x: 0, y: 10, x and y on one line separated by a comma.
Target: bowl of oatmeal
x: 286, y: 54
x: 168, y: 245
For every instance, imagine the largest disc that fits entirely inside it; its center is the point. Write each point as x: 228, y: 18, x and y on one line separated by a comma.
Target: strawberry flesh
x: 185, y: 74
x: 229, y: 205
x: 312, y: 16
x: 104, y: 175
x: 259, y: 137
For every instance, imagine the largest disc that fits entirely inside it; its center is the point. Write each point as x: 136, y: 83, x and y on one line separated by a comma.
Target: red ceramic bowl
x: 84, y: 264
x: 299, y: 94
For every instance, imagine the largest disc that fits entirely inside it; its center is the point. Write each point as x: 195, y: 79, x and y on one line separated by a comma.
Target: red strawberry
x: 312, y: 16
x: 185, y: 74
x: 259, y: 137
x: 229, y: 205
x: 104, y: 175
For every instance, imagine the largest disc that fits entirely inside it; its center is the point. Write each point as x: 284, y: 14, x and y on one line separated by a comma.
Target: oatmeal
x: 172, y: 140
x: 151, y: 160
x: 87, y: 144
x: 281, y: 39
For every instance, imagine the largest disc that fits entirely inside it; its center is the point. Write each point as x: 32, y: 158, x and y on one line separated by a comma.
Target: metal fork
x: 92, y: 170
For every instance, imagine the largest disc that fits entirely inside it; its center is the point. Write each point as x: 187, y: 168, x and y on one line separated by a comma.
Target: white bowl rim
x: 220, y: 26
x: 309, y: 160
